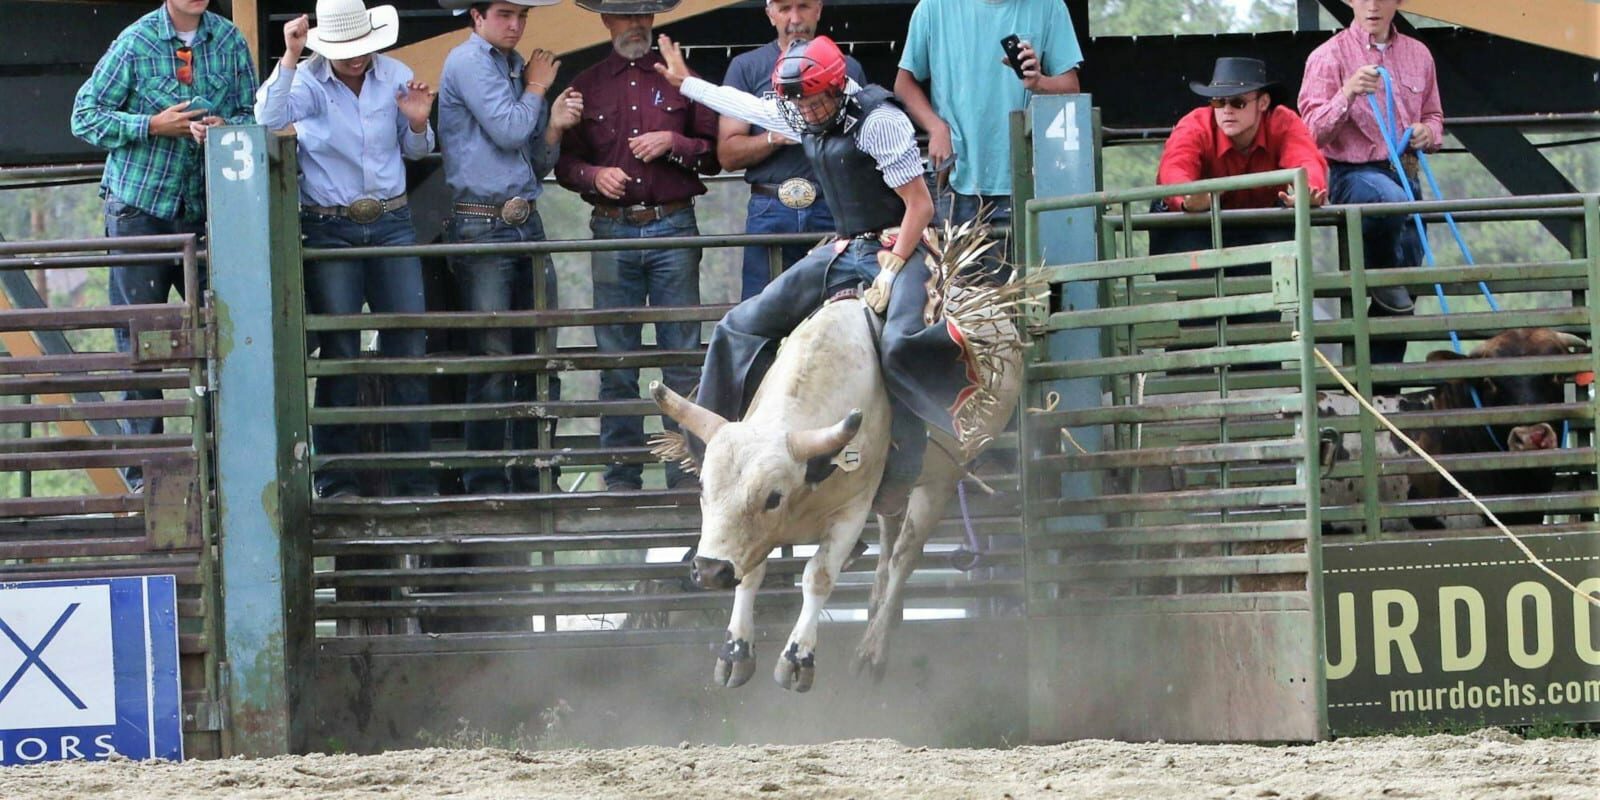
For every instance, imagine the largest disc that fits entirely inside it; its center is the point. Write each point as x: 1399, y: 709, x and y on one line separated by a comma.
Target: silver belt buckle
x: 364, y: 211
x: 797, y: 193
x: 515, y: 211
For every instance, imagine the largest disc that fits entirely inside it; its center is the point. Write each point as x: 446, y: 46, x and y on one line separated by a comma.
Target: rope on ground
x: 1534, y: 559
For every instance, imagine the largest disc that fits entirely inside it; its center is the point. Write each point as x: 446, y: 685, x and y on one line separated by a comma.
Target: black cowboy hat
x: 1232, y: 77
x: 628, y: 6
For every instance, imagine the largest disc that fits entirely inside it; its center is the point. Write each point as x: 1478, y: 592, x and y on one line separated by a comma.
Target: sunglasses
x: 1231, y: 102
x: 185, y: 71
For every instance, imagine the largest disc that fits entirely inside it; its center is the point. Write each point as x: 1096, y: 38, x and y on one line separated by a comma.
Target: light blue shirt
x: 492, y: 131
x: 350, y: 147
x: 954, y: 45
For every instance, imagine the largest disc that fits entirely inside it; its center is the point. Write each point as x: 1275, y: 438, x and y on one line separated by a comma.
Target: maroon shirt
x: 622, y: 99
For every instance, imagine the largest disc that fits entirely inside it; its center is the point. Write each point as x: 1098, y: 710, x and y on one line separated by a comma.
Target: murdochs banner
x: 1461, y: 630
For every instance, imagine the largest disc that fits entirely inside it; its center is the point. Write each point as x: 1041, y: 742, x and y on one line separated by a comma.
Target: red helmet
x: 809, y: 68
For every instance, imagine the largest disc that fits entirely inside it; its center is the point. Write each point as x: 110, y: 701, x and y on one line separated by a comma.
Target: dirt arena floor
x: 1487, y: 764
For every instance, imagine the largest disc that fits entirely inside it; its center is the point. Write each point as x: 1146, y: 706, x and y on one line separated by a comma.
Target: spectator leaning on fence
x: 637, y: 157
x: 355, y: 113
x: 499, y: 138
x: 1238, y: 131
x: 784, y: 195
x: 169, y: 76
x: 1340, y: 76
x: 954, y: 47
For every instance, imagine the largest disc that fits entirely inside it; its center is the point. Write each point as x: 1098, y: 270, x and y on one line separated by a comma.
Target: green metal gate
x: 1157, y: 602
x: 62, y: 404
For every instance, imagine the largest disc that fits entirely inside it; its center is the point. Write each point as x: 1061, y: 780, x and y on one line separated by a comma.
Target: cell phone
x: 1013, y: 46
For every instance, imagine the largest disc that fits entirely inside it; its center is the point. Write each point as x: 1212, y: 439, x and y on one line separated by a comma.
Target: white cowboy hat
x: 345, y: 29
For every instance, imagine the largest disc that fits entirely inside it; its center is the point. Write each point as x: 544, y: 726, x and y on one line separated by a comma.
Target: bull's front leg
x: 736, y: 659
x: 796, y: 668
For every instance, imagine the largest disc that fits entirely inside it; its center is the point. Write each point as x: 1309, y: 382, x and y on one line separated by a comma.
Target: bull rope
x: 1534, y: 559
x: 1395, y: 143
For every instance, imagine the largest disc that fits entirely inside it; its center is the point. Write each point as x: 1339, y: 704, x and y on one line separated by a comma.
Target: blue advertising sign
x: 88, y: 669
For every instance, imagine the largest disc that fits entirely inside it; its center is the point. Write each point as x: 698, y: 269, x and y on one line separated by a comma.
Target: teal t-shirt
x: 955, y: 46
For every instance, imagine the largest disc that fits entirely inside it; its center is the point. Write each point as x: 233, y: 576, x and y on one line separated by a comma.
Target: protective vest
x: 851, y: 183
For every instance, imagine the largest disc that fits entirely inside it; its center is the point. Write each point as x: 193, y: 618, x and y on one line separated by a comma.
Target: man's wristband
x: 542, y: 88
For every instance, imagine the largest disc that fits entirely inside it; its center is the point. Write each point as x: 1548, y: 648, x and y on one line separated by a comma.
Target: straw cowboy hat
x: 461, y: 6
x: 346, y: 29
x: 628, y: 6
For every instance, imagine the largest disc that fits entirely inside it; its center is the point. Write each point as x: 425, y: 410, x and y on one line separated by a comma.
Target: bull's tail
x: 670, y: 446
x: 986, y: 319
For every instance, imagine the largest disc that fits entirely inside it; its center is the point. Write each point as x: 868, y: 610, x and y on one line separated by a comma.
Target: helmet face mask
x: 809, y: 80
x: 815, y: 114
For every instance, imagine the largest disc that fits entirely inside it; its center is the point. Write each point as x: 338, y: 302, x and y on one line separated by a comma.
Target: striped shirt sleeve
x: 731, y: 102
x: 887, y: 136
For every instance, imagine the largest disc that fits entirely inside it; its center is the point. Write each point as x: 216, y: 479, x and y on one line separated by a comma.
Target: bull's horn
x: 806, y: 445
x: 703, y: 423
x: 1572, y: 341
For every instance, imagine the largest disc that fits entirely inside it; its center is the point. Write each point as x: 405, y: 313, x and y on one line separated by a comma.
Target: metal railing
x: 570, y: 561
x: 1542, y: 293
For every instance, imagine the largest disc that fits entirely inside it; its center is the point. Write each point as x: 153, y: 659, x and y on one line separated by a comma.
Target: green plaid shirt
x: 135, y: 80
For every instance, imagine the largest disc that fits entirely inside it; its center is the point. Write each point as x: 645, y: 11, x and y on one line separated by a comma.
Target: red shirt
x: 1197, y: 150
x: 622, y: 99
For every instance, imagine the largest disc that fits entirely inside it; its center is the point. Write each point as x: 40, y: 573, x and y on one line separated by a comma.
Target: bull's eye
x: 773, y: 500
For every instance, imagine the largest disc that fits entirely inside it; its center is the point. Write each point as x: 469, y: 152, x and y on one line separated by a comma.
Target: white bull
x: 771, y: 479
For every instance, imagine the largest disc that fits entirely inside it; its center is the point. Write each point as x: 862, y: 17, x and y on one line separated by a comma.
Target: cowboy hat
x: 1232, y: 77
x: 346, y: 29
x: 460, y: 6
x: 628, y: 6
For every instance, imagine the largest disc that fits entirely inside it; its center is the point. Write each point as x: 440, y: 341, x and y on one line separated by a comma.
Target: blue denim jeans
x: 1388, y: 241
x: 143, y: 284
x: 386, y: 285
x: 501, y: 283
x: 630, y: 279
x: 766, y: 214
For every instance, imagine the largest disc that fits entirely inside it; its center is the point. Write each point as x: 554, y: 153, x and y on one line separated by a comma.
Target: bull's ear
x: 818, y: 469
x: 1446, y: 355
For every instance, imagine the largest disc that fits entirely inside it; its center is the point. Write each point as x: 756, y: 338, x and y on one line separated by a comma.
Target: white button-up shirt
x: 350, y: 147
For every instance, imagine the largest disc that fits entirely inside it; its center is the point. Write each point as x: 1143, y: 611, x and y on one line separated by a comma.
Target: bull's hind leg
x: 923, y: 513
x: 736, y: 658
x: 796, y: 668
x: 888, y: 535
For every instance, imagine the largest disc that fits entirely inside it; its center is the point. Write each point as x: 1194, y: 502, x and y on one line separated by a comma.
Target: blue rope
x: 1396, y: 143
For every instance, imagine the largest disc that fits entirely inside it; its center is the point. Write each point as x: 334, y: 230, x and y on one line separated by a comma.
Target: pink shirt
x: 1346, y: 130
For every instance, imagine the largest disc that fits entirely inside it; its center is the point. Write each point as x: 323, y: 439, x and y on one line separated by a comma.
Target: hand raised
x: 675, y: 69
x: 540, y: 71
x: 294, y: 38
x: 415, y: 100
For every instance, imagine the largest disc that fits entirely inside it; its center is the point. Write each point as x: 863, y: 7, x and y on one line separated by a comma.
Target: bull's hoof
x: 794, y: 672
x: 872, y: 654
x: 736, y: 663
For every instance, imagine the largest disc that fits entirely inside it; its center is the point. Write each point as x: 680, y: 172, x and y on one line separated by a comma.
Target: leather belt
x: 796, y: 193
x: 514, y: 211
x: 639, y: 215
x: 364, y: 211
